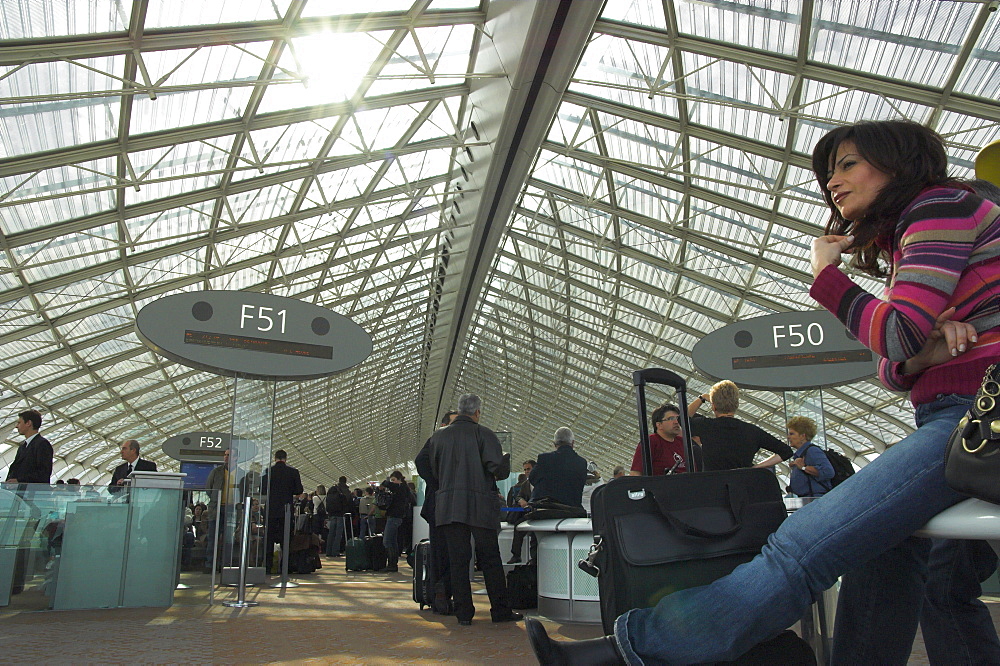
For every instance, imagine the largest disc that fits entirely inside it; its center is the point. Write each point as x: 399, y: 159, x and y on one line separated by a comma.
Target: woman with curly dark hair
x: 897, y: 214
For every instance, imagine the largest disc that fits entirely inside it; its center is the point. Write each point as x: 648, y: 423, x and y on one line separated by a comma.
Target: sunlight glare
x: 333, y: 64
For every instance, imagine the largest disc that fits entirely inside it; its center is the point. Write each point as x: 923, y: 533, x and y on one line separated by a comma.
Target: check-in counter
x: 91, y: 547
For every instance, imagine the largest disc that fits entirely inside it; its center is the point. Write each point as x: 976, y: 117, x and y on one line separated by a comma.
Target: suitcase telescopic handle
x: 658, y: 376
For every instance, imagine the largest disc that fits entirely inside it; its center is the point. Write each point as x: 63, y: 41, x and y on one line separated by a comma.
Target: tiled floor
x: 332, y: 617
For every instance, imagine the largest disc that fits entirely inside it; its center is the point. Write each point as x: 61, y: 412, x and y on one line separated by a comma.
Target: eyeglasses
x: 668, y: 419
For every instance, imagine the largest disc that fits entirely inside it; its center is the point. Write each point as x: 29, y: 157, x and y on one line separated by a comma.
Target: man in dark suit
x: 281, y: 483
x: 32, y: 464
x: 33, y: 460
x: 133, y: 463
x: 560, y: 474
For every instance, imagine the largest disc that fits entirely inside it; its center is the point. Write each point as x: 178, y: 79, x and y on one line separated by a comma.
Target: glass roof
x: 524, y: 200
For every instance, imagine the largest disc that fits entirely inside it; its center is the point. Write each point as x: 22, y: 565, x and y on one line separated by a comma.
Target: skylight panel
x: 981, y: 76
x: 155, y: 230
x: 323, y: 67
x: 910, y: 40
x: 964, y: 137
x: 631, y: 73
x: 426, y: 57
x: 47, y: 259
x: 258, y: 205
x: 245, y: 278
x: 343, y: 184
x: 713, y: 265
x: 165, y: 172
x: 42, y: 211
x: 45, y: 107
x: 61, y: 299
x: 158, y: 271
x: 743, y: 100
x: 188, y: 107
x: 823, y: 102
x: 16, y: 313
x: 732, y: 172
x: 23, y: 19
x: 654, y: 201
x: 26, y: 349
x: 770, y: 25
x: 164, y: 14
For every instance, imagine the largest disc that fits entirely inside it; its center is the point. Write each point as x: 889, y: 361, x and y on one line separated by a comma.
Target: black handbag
x: 972, y: 458
x: 546, y: 508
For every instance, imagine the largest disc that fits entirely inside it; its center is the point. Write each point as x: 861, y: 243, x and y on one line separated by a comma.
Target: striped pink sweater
x: 946, y: 252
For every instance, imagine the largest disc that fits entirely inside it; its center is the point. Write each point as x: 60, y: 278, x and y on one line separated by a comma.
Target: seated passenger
x: 559, y: 475
x: 812, y: 473
x: 896, y: 213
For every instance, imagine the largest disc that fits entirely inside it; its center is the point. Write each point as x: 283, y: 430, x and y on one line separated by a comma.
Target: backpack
x: 336, y: 503
x: 383, y: 497
x: 842, y: 467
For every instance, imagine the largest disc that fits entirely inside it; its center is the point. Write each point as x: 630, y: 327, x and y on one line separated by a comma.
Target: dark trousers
x: 517, y: 544
x: 900, y: 571
x: 276, y: 535
x: 440, y: 570
x: 457, y: 536
x: 956, y: 625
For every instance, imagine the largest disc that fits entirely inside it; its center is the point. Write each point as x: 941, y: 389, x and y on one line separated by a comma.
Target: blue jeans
x: 852, y: 525
x: 390, y: 539
x: 957, y: 626
x: 335, y: 536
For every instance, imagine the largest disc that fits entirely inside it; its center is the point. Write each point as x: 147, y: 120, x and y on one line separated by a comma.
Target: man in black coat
x: 33, y: 460
x: 133, y: 463
x: 281, y: 483
x: 560, y: 474
x: 466, y: 461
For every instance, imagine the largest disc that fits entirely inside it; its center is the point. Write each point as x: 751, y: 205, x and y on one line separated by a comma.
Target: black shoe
x: 594, y: 652
x: 510, y: 617
x: 387, y: 570
x: 465, y: 623
x: 514, y: 560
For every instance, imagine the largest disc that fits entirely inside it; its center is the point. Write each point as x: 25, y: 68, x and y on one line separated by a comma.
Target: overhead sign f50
x: 789, y: 350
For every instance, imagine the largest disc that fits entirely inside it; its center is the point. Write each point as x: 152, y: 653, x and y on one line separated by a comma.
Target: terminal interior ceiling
x: 523, y: 199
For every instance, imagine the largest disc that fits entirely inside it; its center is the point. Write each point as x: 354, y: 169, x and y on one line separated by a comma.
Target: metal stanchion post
x: 241, y: 590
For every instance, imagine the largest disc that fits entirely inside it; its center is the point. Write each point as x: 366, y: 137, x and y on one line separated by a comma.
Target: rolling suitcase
x: 355, y: 552
x: 654, y: 535
x: 377, y: 558
x: 356, y: 555
x: 423, y: 591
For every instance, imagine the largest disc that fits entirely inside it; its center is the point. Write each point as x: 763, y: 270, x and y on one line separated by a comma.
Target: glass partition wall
x: 77, y: 546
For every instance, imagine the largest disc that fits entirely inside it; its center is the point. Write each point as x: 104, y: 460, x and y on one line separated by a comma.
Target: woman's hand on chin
x: 826, y: 251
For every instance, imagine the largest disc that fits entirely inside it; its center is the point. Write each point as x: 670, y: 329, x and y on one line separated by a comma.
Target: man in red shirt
x: 665, y: 443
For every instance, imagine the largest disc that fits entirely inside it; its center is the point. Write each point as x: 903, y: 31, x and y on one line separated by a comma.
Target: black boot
x: 594, y: 652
